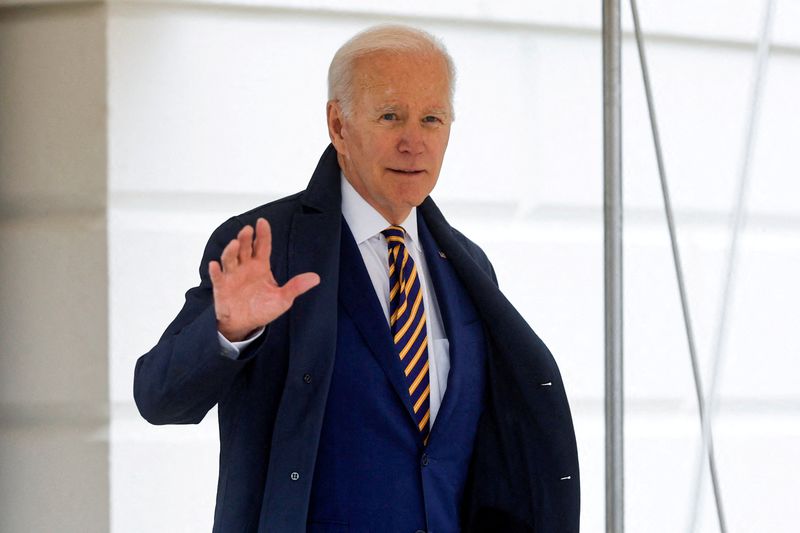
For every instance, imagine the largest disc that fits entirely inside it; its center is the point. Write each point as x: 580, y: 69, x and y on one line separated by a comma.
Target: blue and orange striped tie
x: 408, y: 322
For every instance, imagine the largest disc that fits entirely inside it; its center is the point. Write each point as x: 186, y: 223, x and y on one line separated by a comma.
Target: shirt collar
x: 365, y: 222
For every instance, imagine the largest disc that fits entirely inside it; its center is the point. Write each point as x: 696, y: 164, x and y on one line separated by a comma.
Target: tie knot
x: 394, y: 235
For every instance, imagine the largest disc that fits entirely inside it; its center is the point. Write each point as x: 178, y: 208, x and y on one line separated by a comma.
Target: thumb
x: 300, y: 284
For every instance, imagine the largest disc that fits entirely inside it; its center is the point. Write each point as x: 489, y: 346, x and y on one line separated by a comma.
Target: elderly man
x: 403, y: 392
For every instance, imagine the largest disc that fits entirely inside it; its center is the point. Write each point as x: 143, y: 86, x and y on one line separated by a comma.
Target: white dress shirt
x: 366, y: 225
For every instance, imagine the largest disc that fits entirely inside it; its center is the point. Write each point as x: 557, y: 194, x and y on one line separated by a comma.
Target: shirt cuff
x: 233, y: 349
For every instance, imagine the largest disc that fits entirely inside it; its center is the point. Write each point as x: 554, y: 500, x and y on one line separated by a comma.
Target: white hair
x: 393, y: 38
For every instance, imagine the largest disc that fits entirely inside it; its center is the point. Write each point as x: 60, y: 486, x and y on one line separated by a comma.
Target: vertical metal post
x: 612, y: 214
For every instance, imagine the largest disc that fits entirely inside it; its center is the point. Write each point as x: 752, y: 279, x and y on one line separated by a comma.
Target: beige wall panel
x: 53, y: 270
x: 52, y: 116
x: 54, y: 476
x: 54, y: 311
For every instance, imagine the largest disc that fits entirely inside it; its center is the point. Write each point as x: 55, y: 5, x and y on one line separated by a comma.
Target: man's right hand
x: 246, y: 295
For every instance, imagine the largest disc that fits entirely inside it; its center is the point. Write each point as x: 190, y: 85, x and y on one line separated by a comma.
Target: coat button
x: 420, y: 531
x: 295, y: 476
x: 307, y: 378
x: 424, y: 459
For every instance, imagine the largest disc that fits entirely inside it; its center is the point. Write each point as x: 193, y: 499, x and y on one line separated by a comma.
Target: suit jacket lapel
x: 456, y: 311
x: 479, y: 285
x: 361, y: 303
x: 442, y: 232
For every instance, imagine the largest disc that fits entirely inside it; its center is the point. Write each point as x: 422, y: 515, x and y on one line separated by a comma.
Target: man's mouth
x: 409, y: 171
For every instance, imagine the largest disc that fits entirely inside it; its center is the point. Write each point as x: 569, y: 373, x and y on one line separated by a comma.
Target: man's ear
x: 335, y: 124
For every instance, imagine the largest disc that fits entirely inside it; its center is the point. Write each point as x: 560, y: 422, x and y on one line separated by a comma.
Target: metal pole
x: 705, y: 422
x: 612, y: 214
x: 737, y: 226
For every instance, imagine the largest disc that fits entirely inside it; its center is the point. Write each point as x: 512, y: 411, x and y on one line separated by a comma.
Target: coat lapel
x: 314, y: 247
x: 519, y: 354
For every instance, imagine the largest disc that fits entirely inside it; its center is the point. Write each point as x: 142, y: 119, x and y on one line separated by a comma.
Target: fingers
x: 230, y: 256
x: 300, y: 284
x: 215, y: 272
x: 263, y: 245
x: 238, y: 250
x: 245, y: 239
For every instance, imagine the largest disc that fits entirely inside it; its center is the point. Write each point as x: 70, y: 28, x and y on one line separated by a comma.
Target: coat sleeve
x: 186, y: 373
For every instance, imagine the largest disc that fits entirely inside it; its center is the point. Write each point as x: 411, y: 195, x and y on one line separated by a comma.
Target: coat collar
x: 323, y: 193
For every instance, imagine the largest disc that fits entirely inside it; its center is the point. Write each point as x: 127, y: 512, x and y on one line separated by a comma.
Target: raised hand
x: 246, y: 295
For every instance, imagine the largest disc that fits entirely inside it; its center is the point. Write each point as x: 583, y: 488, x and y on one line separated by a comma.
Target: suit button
x: 307, y: 378
x: 424, y: 460
x: 295, y: 476
x: 420, y: 531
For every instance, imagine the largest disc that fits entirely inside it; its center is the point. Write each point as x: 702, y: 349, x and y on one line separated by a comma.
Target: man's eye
x: 389, y: 116
x: 431, y: 118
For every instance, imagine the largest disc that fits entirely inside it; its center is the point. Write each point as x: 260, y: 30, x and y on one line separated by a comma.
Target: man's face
x: 392, y: 144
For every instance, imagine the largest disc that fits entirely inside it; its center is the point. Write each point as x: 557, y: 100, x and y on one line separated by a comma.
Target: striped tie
x: 408, y: 323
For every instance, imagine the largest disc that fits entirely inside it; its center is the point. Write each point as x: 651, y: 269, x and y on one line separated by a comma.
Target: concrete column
x: 54, y: 460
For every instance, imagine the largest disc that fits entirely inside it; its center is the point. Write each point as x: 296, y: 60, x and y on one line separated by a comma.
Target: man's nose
x: 412, y: 140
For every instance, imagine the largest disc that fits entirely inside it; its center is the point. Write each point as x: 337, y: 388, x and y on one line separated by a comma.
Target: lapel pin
x: 442, y: 255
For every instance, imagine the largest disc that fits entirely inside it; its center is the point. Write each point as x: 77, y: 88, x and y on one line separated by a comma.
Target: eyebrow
x: 385, y: 108
x: 439, y: 111
x: 393, y: 108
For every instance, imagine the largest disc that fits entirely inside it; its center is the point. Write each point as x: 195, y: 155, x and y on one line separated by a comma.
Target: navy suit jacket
x: 271, y: 401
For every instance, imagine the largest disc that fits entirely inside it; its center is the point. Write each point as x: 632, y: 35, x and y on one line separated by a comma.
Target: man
x: 404, y: 392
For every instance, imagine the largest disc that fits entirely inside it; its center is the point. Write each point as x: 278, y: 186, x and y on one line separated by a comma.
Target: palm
x: 246, y: 295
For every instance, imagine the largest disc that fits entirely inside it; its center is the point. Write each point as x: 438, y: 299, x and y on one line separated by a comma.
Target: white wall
x: 217, y: 106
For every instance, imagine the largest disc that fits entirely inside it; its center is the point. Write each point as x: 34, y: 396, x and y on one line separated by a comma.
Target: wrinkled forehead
x: 408, y: 74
